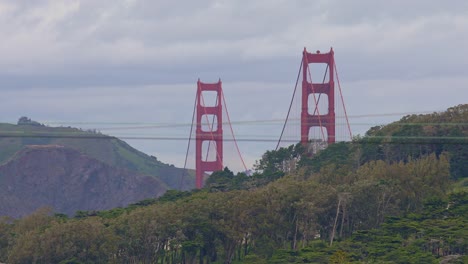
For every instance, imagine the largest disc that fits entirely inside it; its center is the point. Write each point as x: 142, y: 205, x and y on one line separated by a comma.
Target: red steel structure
x: 213, y: 135
x: 316, y: 119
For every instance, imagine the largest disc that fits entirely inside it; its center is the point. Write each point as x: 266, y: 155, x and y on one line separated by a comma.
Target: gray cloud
x: 65, y: 37
x: 138, y: 61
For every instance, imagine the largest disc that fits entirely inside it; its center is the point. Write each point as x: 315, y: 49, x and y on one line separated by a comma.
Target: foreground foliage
x: 297, y: 213
x: 439, y: 232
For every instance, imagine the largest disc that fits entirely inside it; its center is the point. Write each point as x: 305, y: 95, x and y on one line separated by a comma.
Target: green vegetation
x: 110, y: 150
x: 426, y: 237
x: 383, y: 198
x: 288, y: 221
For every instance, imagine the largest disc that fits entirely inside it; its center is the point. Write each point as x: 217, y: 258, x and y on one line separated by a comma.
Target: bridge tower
x: 207, y: 135
x: 312, y: 117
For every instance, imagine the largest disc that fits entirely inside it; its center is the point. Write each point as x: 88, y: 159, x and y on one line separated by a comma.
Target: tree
x: 27, y: 121
x: 281, y: 160
x: 220, y: 180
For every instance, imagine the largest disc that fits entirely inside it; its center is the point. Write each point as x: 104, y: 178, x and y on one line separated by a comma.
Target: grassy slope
x: 105, y: 148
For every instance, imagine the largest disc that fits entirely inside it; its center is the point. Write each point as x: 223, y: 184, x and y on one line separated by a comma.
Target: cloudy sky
x: 134, y: 64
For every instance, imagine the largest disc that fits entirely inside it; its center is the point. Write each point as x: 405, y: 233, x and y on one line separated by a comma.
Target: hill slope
x: 412, y: 137
x: 68, y: 180
x: 104, y: 148
x: 384, y: 198
x: 418, y: 135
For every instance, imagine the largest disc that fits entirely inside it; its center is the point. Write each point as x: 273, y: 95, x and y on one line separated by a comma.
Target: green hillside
x: 412, y: 137
x: 417, y: 135
x: 399, y: 194
x: 110, y: 150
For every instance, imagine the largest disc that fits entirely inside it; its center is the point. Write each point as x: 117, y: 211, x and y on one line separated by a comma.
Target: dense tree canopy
x: 224, y: 224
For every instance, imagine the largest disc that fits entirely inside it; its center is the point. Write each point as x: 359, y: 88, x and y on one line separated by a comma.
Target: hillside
x: 418, y: 135
x: 68, y: 181
x: 387, y: 197
x: 412, y: 137
x: 107, y: 149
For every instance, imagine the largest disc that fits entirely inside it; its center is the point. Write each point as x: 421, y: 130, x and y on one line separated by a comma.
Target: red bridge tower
x: 208, y: 135
x: 314, y: 118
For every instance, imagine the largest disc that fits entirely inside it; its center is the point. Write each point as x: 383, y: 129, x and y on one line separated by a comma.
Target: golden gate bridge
x: 319, y: 113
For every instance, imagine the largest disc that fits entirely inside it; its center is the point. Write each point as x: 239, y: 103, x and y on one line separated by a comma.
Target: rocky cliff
x: 68, y: 180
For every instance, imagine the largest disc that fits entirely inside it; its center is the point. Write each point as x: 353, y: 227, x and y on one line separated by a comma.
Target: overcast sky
x: 112, y: 64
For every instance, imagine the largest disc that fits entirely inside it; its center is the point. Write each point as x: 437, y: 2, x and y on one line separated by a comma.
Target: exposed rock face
x: 107, y: 149
x: 67, y: 180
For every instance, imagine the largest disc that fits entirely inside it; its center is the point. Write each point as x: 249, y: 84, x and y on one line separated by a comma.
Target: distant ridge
x: 107, y: 149
x: 68, y: 180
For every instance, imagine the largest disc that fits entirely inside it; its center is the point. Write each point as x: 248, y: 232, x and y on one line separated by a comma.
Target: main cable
x: 290, y: 105
x: 232, y: 131
x: 342, y: 101
x: 188, y: 146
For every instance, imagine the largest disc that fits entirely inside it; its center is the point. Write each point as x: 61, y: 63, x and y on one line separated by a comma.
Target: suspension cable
x: 232, y: 131
x: 290, y: 105
x: 188, y: 146
x: 342, y: 101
